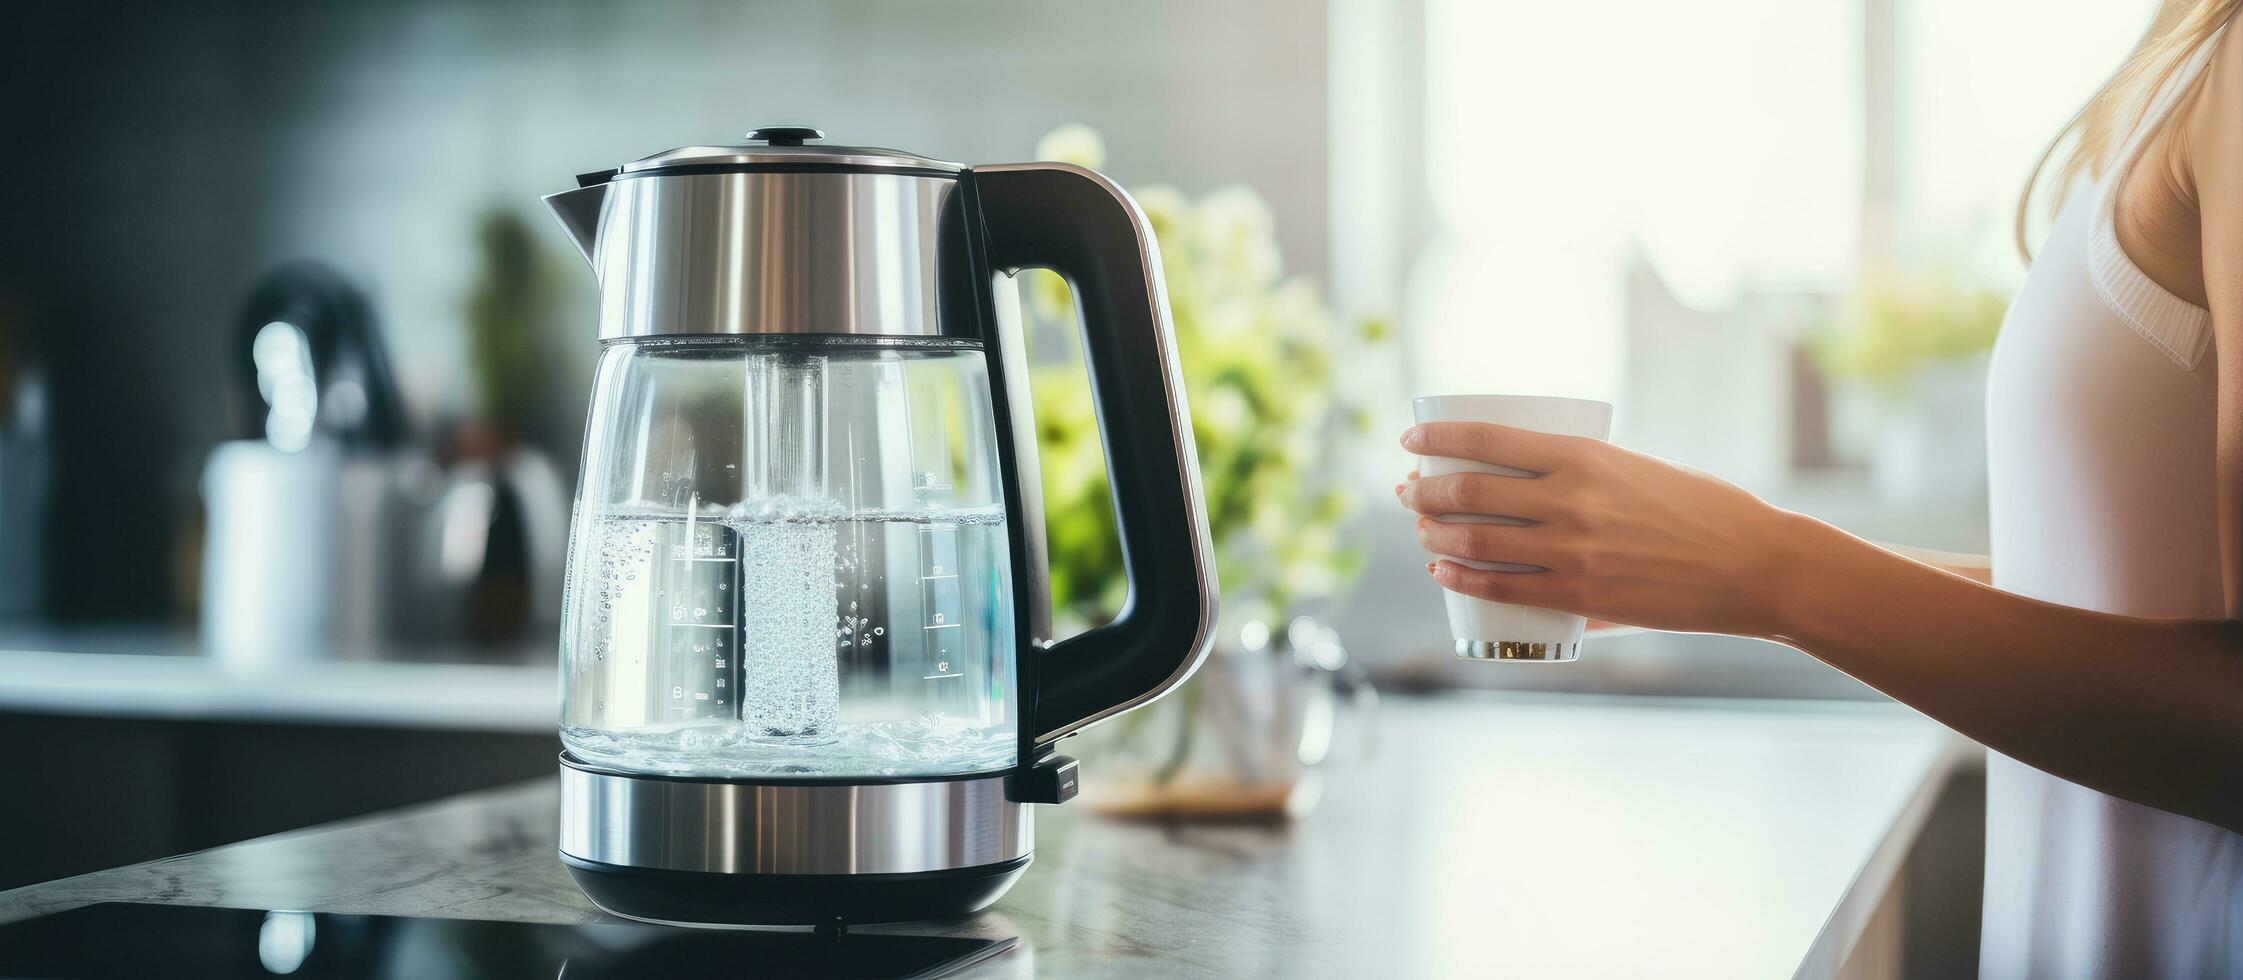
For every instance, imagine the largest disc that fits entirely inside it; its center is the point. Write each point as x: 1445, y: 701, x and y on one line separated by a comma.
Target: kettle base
x: 717, y: 899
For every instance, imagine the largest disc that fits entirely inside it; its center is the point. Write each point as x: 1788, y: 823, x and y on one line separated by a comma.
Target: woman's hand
x: 1627, y: 538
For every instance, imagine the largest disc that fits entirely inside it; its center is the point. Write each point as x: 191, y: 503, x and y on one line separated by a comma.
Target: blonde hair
x: 2091, y: 139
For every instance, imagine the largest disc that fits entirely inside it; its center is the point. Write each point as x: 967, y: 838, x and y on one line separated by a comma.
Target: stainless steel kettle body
x: 787, y: 245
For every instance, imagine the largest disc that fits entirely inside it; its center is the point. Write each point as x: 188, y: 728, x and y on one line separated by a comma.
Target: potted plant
x: 1257, y: 351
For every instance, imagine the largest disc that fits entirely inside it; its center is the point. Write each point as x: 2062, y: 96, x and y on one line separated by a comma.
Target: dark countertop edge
x: 1849, y: 920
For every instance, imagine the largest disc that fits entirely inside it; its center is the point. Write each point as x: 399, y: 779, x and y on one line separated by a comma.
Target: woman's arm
x: 2148, y: 710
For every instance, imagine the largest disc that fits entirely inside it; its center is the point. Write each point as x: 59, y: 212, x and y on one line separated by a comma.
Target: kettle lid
x: 784, y: 148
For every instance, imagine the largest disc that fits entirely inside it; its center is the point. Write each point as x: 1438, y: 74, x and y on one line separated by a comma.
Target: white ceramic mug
x: 1486, y: 630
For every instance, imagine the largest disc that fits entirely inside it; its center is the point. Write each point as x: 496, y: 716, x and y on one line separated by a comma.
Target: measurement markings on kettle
x: 700, y: 573
x: 938, y: 591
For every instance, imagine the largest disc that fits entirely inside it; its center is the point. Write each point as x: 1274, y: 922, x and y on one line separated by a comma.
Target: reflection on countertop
x: 1483, y: 834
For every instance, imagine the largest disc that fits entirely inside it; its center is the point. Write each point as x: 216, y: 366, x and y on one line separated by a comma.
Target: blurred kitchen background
x: 277, y: 294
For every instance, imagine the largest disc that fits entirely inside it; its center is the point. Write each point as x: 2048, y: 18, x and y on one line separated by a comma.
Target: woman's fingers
x: 1521, y: 545
x: 1488, y: 442
x: 1530, y: 498
x: 1547, y: 590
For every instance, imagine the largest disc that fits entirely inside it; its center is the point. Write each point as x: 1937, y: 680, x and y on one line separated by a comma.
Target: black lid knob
x: 785, y: 135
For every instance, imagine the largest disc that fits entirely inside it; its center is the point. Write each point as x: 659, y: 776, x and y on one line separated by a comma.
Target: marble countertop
x: 1477, y: 835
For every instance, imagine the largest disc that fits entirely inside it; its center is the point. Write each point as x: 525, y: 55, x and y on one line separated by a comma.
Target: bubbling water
x: 790, y: 685
x: 928, y: 745
x: 782, y: 638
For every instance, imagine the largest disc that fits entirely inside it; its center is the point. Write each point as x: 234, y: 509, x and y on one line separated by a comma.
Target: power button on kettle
x: 1053, y: 779
x: 784, y: 135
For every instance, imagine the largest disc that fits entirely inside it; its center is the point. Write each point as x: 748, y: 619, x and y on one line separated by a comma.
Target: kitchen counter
x: 1478, y: 835
x: 58, y: 673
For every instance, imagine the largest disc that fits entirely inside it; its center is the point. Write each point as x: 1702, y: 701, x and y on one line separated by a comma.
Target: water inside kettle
x: 778, y: 638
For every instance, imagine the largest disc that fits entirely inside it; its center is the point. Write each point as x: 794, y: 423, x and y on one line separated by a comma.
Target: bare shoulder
x: 2179, y: 207
x: 2210, y: 126
x: 2212, y: 135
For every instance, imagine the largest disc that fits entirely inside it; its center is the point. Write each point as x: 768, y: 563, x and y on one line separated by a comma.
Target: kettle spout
x: 579, y: 212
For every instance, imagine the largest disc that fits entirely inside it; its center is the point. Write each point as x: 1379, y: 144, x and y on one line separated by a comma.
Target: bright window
x: 1726, y: 143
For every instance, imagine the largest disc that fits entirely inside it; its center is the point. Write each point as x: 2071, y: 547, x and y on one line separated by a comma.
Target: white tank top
x: 2100, y: 415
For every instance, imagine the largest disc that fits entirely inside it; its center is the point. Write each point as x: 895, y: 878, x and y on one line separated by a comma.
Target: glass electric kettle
x: 806, y: 667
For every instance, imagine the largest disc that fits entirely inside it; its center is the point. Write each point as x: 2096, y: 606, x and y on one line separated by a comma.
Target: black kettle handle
x: 1080, y: 225
x: 338, y: 324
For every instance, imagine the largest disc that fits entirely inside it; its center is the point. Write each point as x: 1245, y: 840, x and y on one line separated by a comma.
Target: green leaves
x: 1896, y: 323
x: 505, y: 307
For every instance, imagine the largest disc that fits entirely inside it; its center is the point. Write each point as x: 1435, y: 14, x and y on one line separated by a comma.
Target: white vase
x: 1930, y: 447
x: 1244, y: 741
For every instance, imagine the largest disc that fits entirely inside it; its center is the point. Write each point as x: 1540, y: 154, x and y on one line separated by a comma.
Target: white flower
x: 1299, y: 311
x: 1235, y: 232
x: 1166, y: 209
x: 1226, y: 413
x: 1223, y: 320
x: 1073, y: 143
